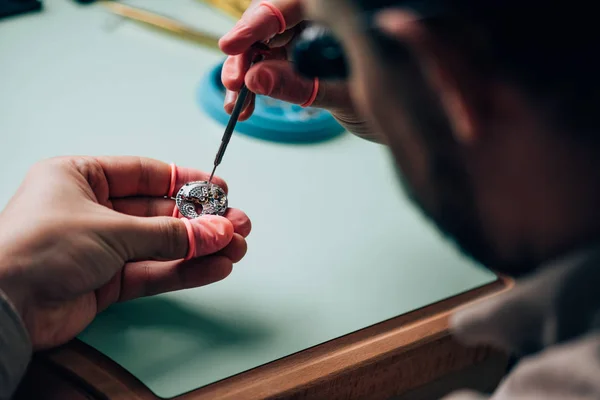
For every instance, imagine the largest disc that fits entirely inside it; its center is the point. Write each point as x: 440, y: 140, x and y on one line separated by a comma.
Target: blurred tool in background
x: 233, y: 8
x: 316, y: 54
x: 163, y: 23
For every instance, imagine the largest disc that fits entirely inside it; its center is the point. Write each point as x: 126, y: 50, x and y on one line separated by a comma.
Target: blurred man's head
x: 489, y: 108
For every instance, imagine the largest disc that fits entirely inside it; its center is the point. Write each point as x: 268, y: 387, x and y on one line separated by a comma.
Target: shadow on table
x: 153, y: 335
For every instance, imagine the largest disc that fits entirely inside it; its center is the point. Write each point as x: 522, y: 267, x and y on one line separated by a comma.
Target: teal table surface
x: 335, y: 245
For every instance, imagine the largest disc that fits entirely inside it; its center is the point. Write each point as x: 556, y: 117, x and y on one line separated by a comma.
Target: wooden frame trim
x: 397, y: 347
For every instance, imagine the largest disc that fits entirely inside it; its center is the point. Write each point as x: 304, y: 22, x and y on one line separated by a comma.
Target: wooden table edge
x: 98, y: 375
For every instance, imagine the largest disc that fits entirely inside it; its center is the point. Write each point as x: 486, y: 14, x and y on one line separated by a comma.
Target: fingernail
x: 230, y: 100
x: 264, y: 83
x: 211, y: 233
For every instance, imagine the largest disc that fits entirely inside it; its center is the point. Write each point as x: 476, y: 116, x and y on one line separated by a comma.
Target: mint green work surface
x: 335, y: 246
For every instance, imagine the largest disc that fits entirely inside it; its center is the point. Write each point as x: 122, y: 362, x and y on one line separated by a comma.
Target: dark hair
x: 549, y: 49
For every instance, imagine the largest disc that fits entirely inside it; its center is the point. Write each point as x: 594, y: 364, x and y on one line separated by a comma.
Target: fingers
x: 241, y: 223
x: 236, y: 67
x: 148, y: 278
x: 247, y: 110
x: 236, y: 250
x: 152, y: 278
x: 277, y: 79
x: 232, y: 75
x: 139, y: 279
x: 164, y: 238
x: 260, y: 23
x: 139, y: 176
x: 158, y: 207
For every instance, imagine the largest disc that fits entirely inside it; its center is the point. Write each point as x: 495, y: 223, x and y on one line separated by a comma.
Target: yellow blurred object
x: 164, y: 24
x: 233, y: 8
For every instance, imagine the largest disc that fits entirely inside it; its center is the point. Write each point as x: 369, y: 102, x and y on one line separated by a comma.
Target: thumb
x: 279, y: 80
x: 165, y: 238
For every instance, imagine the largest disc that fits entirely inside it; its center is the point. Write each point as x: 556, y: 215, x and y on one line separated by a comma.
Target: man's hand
x: 83, y: 233
x: 275, y: 77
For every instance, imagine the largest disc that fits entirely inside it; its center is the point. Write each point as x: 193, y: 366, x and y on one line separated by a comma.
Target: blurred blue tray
x: 273, y: 120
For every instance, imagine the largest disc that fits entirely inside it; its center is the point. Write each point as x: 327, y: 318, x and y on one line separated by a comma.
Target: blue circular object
x: 272, y: 120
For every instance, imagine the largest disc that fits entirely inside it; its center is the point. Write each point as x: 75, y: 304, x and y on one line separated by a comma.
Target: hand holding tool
x: 261, y: 51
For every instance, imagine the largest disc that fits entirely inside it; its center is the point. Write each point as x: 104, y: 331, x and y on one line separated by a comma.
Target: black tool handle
x: 237, y: 109
x: 235, y: 114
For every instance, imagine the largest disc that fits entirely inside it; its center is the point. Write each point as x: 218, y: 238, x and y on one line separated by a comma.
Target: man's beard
x: 455, y: 212
x: 456, y: 218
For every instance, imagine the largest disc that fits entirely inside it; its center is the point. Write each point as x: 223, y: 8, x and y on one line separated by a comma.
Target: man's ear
x: 444, y: 67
